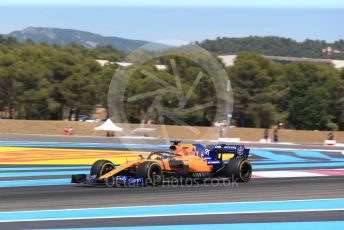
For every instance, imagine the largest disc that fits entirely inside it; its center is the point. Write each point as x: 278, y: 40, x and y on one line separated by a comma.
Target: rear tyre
x: 239, y: 170
x: 101, y: 167
x: 151, y: 173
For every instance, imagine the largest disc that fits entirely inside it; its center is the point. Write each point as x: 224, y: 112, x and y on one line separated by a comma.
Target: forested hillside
x: 275, y: 46
x: 62, y: 37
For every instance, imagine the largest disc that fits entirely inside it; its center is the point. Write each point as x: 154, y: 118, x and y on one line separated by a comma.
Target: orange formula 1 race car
x: 182, y: 161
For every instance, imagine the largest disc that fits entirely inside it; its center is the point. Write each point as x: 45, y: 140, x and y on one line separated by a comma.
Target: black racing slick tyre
x: 151, y: 173
x: 239, y: 169
x: 100, y: 167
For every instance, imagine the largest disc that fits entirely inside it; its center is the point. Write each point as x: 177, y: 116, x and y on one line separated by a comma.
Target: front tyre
x: 101, y: 167
x: 239, y: 169
x: 151, y: 173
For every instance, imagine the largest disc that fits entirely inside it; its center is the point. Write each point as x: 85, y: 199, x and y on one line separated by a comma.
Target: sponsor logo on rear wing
x: 235, y: 149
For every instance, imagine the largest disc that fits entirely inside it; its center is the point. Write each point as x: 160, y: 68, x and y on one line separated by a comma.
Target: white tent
x: 108, y: 126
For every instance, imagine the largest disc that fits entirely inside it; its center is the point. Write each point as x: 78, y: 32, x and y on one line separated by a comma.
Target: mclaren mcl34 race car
x: 181, y: 161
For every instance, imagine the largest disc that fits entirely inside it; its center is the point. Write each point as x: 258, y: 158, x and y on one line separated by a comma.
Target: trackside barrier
x: 229, y: 139
x: 329, y: 142
x: 265, y: 140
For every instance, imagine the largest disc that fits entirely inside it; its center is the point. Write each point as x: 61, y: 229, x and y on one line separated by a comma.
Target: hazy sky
x: 180, y: 19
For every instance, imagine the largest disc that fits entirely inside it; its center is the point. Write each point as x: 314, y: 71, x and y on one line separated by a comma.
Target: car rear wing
x: 226, y: 152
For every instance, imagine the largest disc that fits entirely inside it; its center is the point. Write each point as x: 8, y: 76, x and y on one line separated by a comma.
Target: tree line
x: 39, y: 81
x: 302, y: 95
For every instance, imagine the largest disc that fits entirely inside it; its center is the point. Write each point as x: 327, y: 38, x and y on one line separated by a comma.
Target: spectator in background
x: 275, y: 135
x: 330, y: 136
x: 266, y: 135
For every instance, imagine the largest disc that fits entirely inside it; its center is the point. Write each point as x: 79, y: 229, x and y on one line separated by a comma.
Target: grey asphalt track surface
x: 183, y: 220
x: 75, y: 196
x: 80, y: 196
